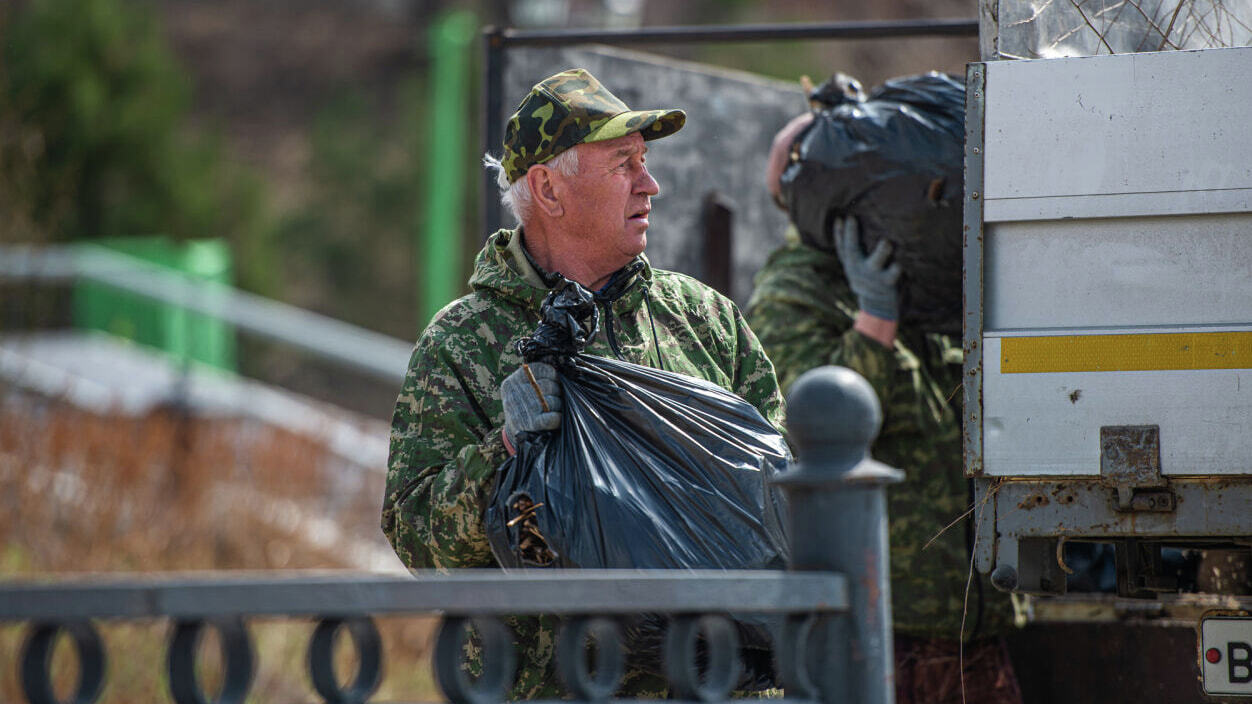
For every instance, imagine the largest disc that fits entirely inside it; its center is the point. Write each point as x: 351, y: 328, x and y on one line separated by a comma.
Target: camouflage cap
x: 572, y: 108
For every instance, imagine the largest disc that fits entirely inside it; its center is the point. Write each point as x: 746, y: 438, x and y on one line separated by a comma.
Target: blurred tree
x: 93, y: 141
x: 348, y: 251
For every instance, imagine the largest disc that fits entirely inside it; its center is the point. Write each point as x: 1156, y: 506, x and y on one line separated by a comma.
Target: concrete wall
x: 731, y: 118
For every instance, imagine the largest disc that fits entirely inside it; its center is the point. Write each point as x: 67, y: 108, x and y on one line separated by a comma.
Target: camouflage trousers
x: 928, y: 671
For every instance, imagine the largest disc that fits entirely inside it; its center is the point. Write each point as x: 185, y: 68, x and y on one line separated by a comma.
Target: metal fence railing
x: 588, y: 600
x: 831, y: 638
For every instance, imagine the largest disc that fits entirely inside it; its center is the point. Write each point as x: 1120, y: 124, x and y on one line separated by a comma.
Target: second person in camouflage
x: 574, y: 167
x: 837, y: 305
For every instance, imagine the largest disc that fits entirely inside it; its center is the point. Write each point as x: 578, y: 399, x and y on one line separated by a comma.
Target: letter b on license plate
x: 1226, y: 654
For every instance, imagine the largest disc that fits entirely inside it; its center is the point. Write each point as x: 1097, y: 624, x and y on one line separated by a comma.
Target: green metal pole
x: 439, y: 248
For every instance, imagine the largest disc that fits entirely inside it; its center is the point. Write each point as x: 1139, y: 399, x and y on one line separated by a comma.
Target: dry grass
x: 82, y: 492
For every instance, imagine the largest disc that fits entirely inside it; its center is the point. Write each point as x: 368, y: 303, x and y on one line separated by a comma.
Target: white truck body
x: 1108, y: 296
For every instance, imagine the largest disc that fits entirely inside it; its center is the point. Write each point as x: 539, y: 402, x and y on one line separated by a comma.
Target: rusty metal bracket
x: 1130, y: 463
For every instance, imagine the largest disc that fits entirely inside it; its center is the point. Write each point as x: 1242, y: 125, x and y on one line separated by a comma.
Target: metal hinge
x: 1130, y: 463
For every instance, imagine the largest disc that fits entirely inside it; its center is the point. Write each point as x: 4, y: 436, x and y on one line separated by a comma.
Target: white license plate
x: 1226, y: 654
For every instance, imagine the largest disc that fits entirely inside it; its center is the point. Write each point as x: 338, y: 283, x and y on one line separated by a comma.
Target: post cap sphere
x: 832, y: 406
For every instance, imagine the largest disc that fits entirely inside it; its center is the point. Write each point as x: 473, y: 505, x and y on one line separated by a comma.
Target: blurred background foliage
x: 94, y: 140
x: 362, y: 212
x: 295, y: 129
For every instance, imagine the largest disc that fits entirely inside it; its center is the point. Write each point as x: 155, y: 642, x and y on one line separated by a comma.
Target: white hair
x: 517, y: 196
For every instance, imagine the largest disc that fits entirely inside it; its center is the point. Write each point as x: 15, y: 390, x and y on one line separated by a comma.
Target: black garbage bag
x: 649, y: 469
x: 895, y: 161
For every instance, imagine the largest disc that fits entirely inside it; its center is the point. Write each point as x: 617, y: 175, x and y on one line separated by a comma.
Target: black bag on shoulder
x: 894, y: 160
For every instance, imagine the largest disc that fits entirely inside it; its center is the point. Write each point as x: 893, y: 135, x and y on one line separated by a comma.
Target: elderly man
x: 574, y: 174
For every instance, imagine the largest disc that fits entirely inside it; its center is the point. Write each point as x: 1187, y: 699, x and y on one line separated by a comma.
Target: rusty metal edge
x: 972, y: 271
x: 1169, y: 611
x: 1208, y: 508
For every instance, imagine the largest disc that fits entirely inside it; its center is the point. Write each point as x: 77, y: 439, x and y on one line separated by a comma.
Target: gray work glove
x: 871, y: 280
x: 523, y: 411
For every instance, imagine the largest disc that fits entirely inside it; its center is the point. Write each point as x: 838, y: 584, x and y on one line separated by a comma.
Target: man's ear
x: 543, y: 189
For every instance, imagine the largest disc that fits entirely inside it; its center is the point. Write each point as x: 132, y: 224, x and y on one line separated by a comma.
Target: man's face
x: 608, y: 201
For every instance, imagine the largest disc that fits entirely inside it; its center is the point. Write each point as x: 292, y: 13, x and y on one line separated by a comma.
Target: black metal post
x: 493, y: 122
x: 718, y: 218
x: 873, y: 29
x: 838, y: 512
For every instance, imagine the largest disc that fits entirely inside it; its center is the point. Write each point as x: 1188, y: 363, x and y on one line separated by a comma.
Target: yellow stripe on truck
x: 1126, y: 353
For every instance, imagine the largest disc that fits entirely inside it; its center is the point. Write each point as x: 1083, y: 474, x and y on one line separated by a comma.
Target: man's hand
x: 532, y: 402
x: 873, y: 282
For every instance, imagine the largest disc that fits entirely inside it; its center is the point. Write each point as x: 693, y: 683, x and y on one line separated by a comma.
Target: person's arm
x: 754, y: 377
x: 874, y: 281
x: 800, y: 307
x: 805, y: 316
x: 878, y: 329
x: 445, y: 448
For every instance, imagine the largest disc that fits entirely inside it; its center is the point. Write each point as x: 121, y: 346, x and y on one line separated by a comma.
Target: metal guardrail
x: 694, y: 600
x: 376, y: 354
x: 497, y: 41
x: 565, y: 592
x: 831, y: 610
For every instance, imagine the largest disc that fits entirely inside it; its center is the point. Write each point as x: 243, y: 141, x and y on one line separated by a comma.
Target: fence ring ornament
x: 37, y: 662
x: 610, y: 658
x: 498, y: 660
x: 322, y: 660
x: 682, y: 657
x: 794, y: 655
x: 237, y: 657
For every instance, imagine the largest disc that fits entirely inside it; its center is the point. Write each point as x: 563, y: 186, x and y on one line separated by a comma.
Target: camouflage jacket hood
x: 504, y: 268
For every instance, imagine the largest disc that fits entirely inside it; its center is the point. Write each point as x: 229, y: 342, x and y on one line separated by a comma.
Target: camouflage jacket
x: 803, y: 311
x: 445, y: 433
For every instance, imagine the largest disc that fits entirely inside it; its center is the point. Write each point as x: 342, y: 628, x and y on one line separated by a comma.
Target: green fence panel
x: 183, y: 335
